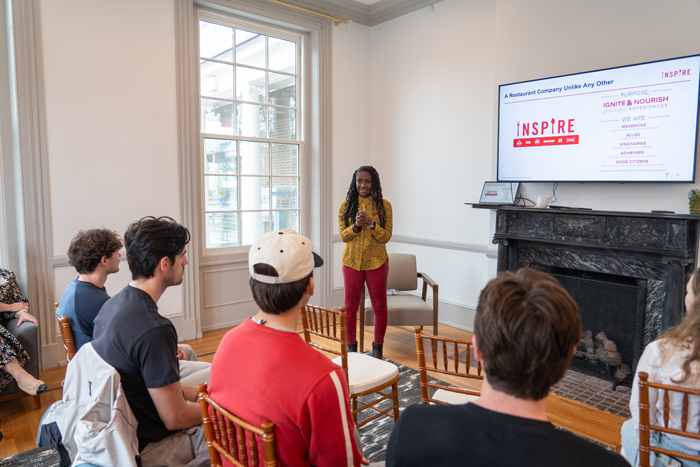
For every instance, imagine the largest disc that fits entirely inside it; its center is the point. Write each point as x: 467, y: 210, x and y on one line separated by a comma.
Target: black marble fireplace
x: 627, y: 271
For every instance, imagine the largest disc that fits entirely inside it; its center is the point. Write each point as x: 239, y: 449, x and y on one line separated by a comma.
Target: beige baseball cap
x: 288, y: 252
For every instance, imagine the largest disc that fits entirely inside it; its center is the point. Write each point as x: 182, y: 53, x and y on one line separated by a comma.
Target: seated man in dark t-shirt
x: 526, y: 330
x: 141, y: 345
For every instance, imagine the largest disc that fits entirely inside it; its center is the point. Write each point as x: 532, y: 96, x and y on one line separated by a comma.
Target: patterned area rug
x: 375, y: 435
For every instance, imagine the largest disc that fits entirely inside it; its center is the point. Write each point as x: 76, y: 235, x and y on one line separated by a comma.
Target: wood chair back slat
x: 425, y: 396
x: 226, y: 436
x: 456, y: 358
x: 444, y: 354
x: 645, y: 427
x: 308, y: 320
x: 424, y: 369
x: 66, y: 336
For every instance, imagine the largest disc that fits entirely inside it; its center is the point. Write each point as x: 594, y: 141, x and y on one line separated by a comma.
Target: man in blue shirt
x: 95, y: 255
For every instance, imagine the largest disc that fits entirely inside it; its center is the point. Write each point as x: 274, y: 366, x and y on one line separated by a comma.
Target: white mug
x: 542, y: 202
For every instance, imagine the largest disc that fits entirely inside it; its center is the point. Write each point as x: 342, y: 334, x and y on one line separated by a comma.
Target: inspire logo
x: 552, y: 132
x: 546, y: 127
x: 675, y: 73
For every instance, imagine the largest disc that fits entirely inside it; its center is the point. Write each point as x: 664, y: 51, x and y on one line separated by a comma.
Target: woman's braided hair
x: 352, y: 203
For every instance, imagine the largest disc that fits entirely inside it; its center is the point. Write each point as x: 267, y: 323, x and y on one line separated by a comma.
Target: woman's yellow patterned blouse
x: 366, y: 249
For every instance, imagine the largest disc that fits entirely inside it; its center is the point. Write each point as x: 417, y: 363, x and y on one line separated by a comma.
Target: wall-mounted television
x: 634, y: 123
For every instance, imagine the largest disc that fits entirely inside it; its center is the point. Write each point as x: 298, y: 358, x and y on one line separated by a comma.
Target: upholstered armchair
x: 28, y: 336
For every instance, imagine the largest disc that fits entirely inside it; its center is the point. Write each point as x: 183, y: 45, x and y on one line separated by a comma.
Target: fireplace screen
x: 612, y: 313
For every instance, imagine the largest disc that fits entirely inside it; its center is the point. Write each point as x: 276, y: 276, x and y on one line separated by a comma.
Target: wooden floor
x: 20, y: 419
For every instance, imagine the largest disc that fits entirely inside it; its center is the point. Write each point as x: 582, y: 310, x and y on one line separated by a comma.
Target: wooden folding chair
x: 445, y: 395
x: 66, y: 336
x: 365, y: 375
x: 645, y: 447
x: 226, y: 435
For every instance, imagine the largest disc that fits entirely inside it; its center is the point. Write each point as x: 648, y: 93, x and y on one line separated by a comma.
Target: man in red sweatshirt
x: 263, y: 370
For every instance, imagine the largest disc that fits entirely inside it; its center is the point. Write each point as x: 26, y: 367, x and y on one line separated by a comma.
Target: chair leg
x: 395, y: 388
x: 354, y: 408
x: 37, y: 402
x: 361, y: 311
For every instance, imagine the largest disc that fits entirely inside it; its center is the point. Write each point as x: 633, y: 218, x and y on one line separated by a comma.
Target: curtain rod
x: 337, y: 20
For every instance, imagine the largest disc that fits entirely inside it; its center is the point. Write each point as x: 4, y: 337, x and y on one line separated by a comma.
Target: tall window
x: 250, y: 114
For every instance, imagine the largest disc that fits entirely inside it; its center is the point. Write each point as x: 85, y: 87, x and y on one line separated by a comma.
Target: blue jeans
x: 630, y: 443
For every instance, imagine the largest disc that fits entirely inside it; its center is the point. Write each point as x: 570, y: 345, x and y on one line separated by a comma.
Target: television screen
x: 635, y: 123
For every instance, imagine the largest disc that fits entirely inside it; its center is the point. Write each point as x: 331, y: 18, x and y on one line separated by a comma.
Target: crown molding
x: 367, y: 15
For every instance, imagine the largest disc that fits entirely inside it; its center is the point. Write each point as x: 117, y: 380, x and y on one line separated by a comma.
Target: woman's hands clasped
x: 362, y: 218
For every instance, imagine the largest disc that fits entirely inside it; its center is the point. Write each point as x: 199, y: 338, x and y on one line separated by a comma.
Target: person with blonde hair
x: 672, y: 359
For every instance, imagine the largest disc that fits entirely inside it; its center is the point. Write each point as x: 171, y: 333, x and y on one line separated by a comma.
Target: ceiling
x: 365, y: 12
x: 364, y: 2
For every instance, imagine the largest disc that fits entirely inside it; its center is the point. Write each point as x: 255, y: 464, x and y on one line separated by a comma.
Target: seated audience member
x: 141, y: 345
x: 525, y: 332
x: 672, y: 360
x: 95, y: 255
x: 263, y: 370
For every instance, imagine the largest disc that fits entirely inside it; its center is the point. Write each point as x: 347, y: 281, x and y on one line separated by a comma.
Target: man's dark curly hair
x: 352, y: 203
x: 151, y: 239
x: 89, y: 246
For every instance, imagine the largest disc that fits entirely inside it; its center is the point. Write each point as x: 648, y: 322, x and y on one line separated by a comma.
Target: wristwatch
x: 374, y: 224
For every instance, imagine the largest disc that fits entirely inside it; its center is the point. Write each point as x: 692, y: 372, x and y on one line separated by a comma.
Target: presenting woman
x: 674, y: 359
x: 365, y: 223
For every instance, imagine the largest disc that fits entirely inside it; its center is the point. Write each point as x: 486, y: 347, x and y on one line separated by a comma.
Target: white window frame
x: 318, y: 214
x: 299, y: 39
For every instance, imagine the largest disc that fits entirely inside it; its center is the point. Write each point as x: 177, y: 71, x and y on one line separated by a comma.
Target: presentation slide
x: 633, y: 123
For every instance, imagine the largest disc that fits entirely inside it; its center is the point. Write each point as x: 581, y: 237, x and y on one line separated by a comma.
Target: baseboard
x: 223, y: 325
x: 189, y: 329
x: 52, y: 355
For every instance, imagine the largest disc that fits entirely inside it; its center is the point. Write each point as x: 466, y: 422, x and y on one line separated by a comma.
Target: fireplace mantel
x: 658, y: 248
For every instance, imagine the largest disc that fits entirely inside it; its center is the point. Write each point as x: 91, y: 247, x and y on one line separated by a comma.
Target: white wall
x: 542, y: 38
x: 111, y: 121
x: 434, y: 78
x: 431, y: 116
x: 351, y: 117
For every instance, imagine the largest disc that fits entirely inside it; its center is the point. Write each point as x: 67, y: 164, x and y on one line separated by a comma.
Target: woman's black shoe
x: 377, y: 350
x: 352, y: 347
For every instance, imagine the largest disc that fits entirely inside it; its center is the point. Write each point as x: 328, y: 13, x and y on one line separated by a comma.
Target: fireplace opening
x: 612, y: 313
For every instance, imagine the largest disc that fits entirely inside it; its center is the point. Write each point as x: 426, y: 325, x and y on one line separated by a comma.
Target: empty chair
x: 227, y: 435
x: 445, y: 394
x: 403, y: 309
x: 366, y: 375
x: 645, y: 447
